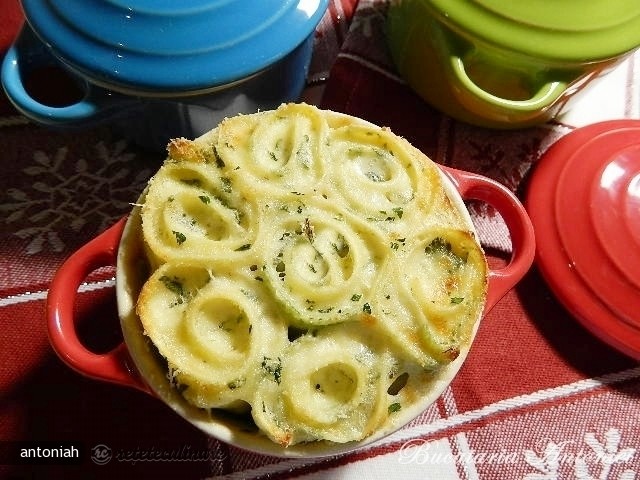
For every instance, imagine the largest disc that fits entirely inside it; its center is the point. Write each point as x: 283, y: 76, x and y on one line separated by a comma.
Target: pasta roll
x: 277, y: 151
x: 192, y: 211
x: 211, y: 330
x: 449, y: 277
x: 318, y: 264
x: 442, y: 281
x: 332, y: 386
x: 377, y: 176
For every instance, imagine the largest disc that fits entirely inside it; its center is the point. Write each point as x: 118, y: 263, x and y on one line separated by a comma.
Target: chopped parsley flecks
x: 374, y: 177
x: 397, y: 243
x: 341, y: 246
x: 273, y: 368
x: 226, y: 184
x: 231, y: 324
x: 173, y: 284
x: 441, y: 247
x: 180, y: 237
x: 437, y: 245
x: 237, y: 383
x: 307, y: 229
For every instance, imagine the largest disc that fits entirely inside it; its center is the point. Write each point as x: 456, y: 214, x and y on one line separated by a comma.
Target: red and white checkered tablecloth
x: 539, y: 397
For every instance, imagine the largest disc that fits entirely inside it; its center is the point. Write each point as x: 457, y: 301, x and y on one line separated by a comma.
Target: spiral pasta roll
x: 318, y: 265
x: 309, y: 272
x: 276, y: 151
x: 442, y: 282
x: 332, y: 386
x: 448, y: 275
x: 212, y: 330
x: 193, y: 211
x: 377, y: 176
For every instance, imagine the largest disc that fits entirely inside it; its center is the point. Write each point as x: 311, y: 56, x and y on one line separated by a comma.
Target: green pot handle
x: 482, y: 102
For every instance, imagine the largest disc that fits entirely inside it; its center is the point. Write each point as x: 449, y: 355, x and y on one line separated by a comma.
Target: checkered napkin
x: 538, y: 397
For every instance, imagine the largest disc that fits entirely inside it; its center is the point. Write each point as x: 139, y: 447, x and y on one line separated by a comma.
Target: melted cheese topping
x: 308, y: 269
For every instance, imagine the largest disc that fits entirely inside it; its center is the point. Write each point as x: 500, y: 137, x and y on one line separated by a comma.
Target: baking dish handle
x: 114, y: 366
x: 478, y: 187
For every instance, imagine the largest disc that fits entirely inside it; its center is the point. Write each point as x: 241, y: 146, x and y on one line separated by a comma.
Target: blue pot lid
x: 168, y: 45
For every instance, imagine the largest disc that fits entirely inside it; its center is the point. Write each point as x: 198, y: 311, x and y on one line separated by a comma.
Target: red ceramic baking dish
x: 127, y: 365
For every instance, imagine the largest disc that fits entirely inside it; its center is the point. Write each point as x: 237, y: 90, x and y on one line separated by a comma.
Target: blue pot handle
x: 29, y: 52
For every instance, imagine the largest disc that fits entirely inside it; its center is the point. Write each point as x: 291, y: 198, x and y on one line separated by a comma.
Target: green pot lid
x: 565, y: 30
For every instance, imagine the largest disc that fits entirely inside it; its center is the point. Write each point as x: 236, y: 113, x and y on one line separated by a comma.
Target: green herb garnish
x: 440, y: 246
x: 226, y: 184
x: 173, y: 284
x: 237, y: 383
x: 437, y: 245
x: 180, y: 237
x: 273, y: 367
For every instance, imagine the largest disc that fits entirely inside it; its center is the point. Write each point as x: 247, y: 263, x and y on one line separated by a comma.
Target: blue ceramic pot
x: 160, y: 69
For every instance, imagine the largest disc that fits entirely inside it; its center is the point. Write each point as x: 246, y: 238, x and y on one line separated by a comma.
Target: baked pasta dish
x: 308, y: 271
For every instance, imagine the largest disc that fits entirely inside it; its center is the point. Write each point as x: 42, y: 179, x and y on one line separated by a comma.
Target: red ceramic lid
x: 584, y: 202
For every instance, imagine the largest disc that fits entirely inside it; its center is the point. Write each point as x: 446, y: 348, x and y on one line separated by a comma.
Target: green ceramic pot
x: 508, y: 64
